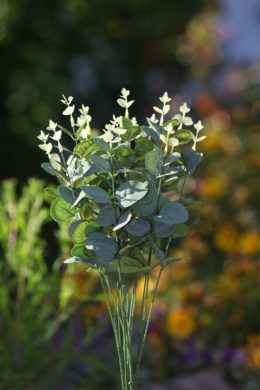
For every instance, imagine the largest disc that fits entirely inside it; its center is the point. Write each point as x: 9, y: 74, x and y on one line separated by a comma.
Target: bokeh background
x: 53, y: 332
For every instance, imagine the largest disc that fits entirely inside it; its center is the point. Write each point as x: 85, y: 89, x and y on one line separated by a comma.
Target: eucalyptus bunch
x: 112, y: 190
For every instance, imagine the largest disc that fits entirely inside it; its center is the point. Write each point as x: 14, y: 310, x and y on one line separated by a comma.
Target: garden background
x: 54, y: 330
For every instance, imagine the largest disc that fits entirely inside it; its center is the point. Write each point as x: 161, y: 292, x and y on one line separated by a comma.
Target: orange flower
x: 180, y: 322
x: 254, y: 358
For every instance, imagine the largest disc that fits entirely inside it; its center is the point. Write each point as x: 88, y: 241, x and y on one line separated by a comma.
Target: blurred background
x: 207, y: 318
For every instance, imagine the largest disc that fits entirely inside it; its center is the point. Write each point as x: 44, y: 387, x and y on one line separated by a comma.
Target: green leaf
x: 96, y: 193
x: 103, y: 145
x: 82, y: 230
x: 194, y: 205
x: 67, y: 194
x: 48, y: 168
x: 102, y: 262
x: 138, y: 227
x: 124, y: 157
x: 66, y: 131
x: 143, y: 145
x: 148, y: 203
x: 129, y: 265
x: 81, y: 250
x: 182, y: 231
x: 172, y: 213
x: 131, y: 133
x: 102, y: 245
x: 61, y: 211
x: 136, y: 253
x: 173, y: 122
x: 131, y: 192
x: 125, y: 122
x: 101, y: 163
x: 170, y: 260
x: 154, y: 161
x: 108, y: 215
x: 184, y: 136
x: 83, y: 149
x: 53, y: 192
x: 151, y: 133
x: 163, y: 230
x: 129, y: 247
x: 191, y: 160
x: 172, y: 158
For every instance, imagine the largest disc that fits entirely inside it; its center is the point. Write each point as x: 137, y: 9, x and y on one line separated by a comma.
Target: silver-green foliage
x: 113, y: 188
x: 125, y: 171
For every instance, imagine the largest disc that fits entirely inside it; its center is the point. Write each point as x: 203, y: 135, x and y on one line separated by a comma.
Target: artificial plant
x: 112, y: 189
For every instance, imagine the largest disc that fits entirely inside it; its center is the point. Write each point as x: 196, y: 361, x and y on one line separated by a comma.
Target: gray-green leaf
x: 131, y: 192
x: 163, y: 230
x: 172, y: 213
x: 101, y: 163
x: 154, y: 161
x: 67, y: 194
x: 102, y: 245
x: 96, y: 193
x: 138, y: 227
x: 108, y: 215
x: 148, y: 203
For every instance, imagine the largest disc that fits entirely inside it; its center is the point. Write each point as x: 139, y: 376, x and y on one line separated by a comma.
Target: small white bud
x: 52, y: 126
x: 198, y: 126
x: 43, y: 137
x: 184, y: 109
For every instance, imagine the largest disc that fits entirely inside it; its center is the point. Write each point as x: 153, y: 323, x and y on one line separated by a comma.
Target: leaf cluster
x: 113, y: 186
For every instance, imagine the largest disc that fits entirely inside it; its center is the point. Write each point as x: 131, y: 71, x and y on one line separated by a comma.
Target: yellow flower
x: 180, y: 322
x: 249, y: 243
x: 212, y: 142
x: 226, y: 239
x: 254, y: 358
x: 213, y: 187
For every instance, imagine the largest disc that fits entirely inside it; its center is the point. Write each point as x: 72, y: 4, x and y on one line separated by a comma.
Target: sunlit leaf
x: 61, y: 211
x: 131, y: 192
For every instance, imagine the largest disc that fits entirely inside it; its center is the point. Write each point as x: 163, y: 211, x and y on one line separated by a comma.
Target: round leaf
x: 108, y: 215
x: 131, y: 192
x: 96, y: 193
x: 66, y: 194
x: 148, y: 203
x: 172, y: 213
x: 61, y: 211
x: 101, y: 163
x: 163, y: 230
x: 138, y: 227
x: 102, y: 245
x: 82, y: 231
